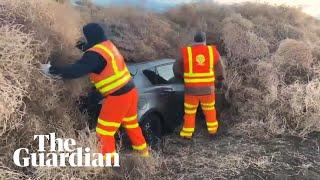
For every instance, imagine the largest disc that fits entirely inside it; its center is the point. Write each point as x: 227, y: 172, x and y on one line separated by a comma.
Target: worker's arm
x: 219, y: 70
x: 178, y: 68
x: 90, y: 62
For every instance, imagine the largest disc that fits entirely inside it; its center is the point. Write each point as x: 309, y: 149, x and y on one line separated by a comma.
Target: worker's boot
x: 187, y: 137
x: 213, y: 132
x: 186, y: 133
x: 213, y: 128
x: 145, y: 153
x: 213, y: 135
x: 184, y: 136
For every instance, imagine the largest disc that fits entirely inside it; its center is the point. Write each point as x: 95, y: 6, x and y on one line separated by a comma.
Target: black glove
x: 220, y: 85
x: 81, y: 45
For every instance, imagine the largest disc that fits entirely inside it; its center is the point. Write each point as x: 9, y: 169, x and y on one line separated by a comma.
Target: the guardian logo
x: 62, y: 153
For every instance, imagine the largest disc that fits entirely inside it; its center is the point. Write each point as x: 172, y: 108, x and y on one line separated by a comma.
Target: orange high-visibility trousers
x: 116, y: 111
x: 191, y: 103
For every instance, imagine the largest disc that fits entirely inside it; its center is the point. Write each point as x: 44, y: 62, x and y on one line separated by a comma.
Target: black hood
x: 94, y: 34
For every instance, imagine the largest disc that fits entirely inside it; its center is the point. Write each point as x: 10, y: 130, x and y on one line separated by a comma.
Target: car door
x: 173, y: 90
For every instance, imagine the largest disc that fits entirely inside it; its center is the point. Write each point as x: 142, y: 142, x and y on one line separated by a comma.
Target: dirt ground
x: 238, y: 157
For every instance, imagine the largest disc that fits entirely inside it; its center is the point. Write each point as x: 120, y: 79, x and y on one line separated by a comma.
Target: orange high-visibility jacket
x: 199, y: 61
x: 115, y: 75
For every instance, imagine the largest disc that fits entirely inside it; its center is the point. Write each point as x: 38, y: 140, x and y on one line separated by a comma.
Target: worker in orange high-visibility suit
x: 111, y: 77
x: 201, y: 70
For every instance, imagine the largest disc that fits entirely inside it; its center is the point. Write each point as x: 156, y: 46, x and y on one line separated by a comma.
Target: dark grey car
x: 160, y: 98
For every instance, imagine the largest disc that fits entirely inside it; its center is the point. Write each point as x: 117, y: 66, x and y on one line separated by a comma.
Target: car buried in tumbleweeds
x: 161, y: 98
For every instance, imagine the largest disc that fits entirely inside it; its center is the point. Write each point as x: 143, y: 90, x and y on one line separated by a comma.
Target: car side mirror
x: 133, y: 70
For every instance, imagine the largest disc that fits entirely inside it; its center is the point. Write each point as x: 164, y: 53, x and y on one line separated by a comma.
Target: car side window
x: 165, y: 72
x: 153, y: 77
x: 162, y: 74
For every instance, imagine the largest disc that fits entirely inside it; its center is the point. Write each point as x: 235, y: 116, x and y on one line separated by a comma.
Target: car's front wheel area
x: 151, y: 126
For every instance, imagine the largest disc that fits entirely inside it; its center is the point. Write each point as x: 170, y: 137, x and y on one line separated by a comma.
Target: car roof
x: 152, y: 63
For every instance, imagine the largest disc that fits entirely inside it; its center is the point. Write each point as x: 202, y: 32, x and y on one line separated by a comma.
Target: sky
x: 309, y: 6
x: 158, y: 5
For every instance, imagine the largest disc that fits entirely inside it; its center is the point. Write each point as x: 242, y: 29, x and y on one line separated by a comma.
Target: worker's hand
x: 80, y: 45
x: 100, y: 102
x: 220, y: 87
x: 45, y: 68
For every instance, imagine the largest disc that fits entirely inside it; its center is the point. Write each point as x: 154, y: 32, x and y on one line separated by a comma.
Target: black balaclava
x: 94, y: 34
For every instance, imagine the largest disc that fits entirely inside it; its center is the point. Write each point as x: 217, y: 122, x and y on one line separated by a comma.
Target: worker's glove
x: 81, y: 44
x: 45, y: 68
x: 219, y: 88
x: 100, y: 102
x: 220, y: 85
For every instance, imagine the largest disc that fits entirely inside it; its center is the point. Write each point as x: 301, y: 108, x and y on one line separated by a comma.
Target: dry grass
x: 294, y: 52
x: 230, y: 157
x: 138, y: 34
x: 240, y: 40
x: 14, y: 75
x: 31, y: 103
